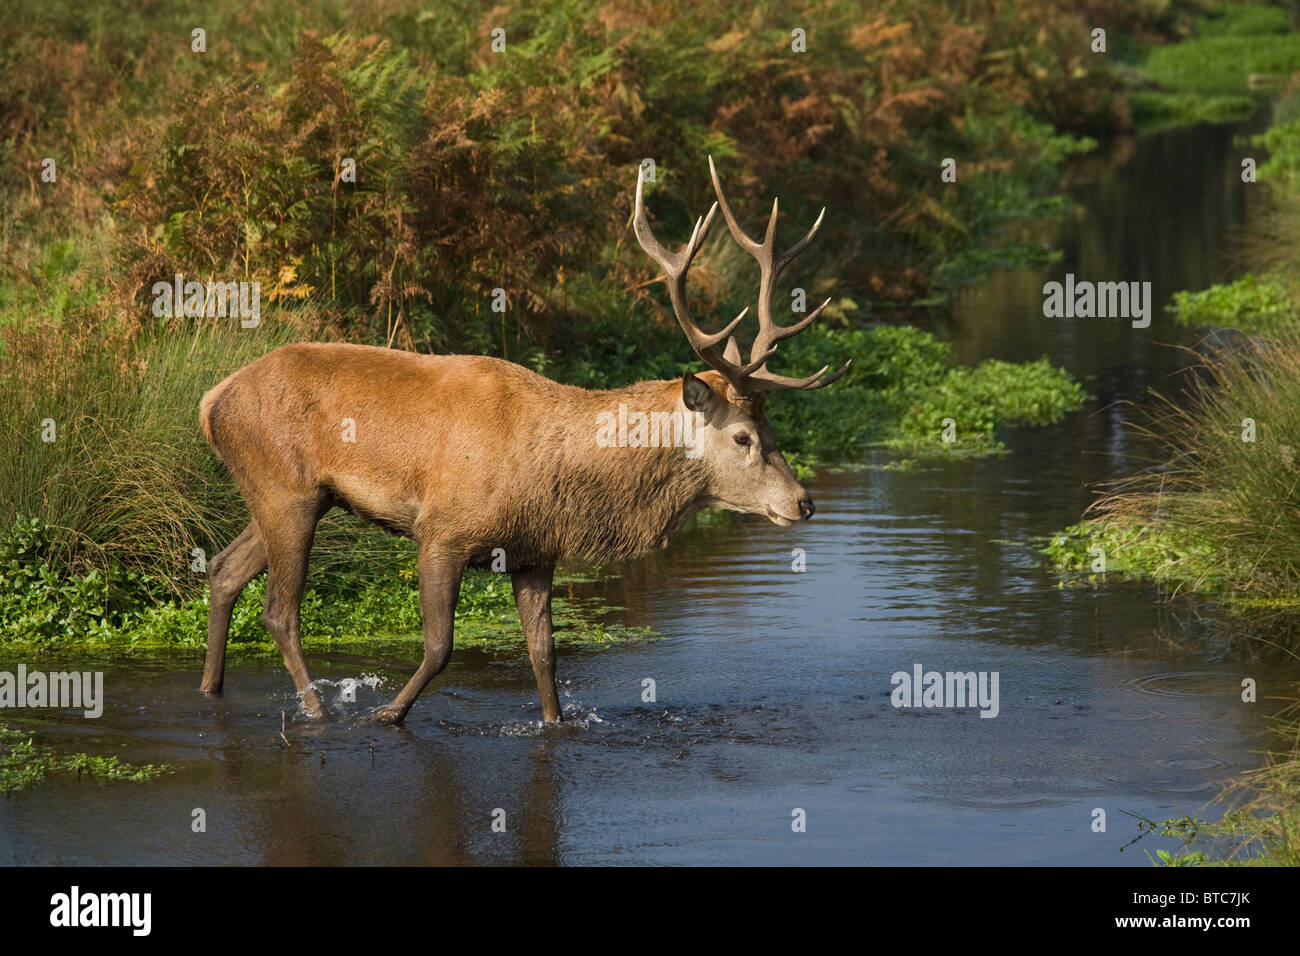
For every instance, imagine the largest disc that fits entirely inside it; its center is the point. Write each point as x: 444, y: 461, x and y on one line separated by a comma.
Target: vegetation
x: 43, y: 605
x: 1250, y: 304
x: 24, y: 763
x: 477, y: 170
x: 1266, y: 302
x: 1215, y: 513
x: 1236, y: 53
x: 1217, y: 518
x: 1233, y: 44
x: 904, y: 386
x: 1263, y: 831
x: 1211, y: 510
x: 1133, y: 550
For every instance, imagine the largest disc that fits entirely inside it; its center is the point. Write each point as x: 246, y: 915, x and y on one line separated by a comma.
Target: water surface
x: 773, y: 687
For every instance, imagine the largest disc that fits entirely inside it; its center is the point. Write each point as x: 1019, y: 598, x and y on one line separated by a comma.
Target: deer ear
x: 697, y: 395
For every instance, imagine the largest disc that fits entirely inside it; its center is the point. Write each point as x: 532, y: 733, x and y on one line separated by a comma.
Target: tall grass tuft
x: 105, y: 447
x: 1228, y: 473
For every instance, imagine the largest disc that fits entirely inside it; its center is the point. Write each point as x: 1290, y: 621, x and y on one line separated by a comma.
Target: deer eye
x: 741, y: 439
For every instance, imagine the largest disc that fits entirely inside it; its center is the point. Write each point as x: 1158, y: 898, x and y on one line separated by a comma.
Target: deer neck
x: 631, y: 474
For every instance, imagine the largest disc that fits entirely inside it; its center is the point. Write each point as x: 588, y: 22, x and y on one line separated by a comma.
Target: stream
x: 772, y: 688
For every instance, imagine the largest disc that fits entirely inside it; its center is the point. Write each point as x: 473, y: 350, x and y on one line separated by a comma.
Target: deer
x: 477, y: 459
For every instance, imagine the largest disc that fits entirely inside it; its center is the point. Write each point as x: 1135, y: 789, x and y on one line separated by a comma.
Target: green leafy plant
x: 1250, y: 304
x: 24, y: 763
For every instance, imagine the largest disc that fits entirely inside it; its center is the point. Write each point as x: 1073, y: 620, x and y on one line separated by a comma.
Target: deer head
x: 746, y: 470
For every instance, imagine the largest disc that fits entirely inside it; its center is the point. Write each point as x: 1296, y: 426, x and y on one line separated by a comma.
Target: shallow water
x: 773, y: 687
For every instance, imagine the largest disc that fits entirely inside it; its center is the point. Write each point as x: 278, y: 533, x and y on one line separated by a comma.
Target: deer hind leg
x: 439, y: 588
x: 228, y: 574
x: 287, y: 535
x: 533, y: 599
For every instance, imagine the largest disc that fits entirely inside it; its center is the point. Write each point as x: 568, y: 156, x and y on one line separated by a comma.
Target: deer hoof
x: 384, y: 715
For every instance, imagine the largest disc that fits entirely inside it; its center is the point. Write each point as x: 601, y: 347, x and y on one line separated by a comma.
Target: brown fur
x: 464, y: 454
x: 485, y: 470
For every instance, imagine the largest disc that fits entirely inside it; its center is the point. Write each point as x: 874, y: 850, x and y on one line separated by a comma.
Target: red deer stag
x: 470, y: 456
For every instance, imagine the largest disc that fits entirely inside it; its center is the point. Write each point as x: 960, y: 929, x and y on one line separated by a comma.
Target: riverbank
x: 1204, y: 511
x: 1208, y: 513
x: 1208, y: 510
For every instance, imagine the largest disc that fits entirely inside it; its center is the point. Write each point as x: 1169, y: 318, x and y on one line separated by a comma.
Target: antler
x: 750, y: 377
x: 675, y: 266
x: 769, y: 333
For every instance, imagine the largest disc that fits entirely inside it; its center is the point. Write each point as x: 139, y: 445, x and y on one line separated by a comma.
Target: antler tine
x: 732, y: 351
x: 675, y: 266
x: 764, y: 381
x: 737, y: 233
x: 770, y: 265
x: 752, y: 376
x: 780, y: 332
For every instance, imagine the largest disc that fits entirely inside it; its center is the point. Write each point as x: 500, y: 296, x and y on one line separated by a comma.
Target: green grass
x: 1233, y: 42
x: 1206, y: 78
x: 1223, y: 64
x: 1154, y: 110
x: 1244, y: 19
x: 103, y: 445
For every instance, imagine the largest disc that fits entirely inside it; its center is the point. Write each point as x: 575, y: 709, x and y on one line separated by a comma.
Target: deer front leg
x: 533, y: 598
x: 439, y: 588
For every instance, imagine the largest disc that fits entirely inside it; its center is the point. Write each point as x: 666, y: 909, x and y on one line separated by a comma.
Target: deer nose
x: 806, y: 509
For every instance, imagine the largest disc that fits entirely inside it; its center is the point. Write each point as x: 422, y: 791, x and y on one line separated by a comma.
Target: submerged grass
x: 347, y: 602
x: 388, y: 611
x: 24, y: 763
x: 1262, y: 830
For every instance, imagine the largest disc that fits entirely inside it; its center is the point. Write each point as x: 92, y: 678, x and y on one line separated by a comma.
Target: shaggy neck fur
x: 605, y: 503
